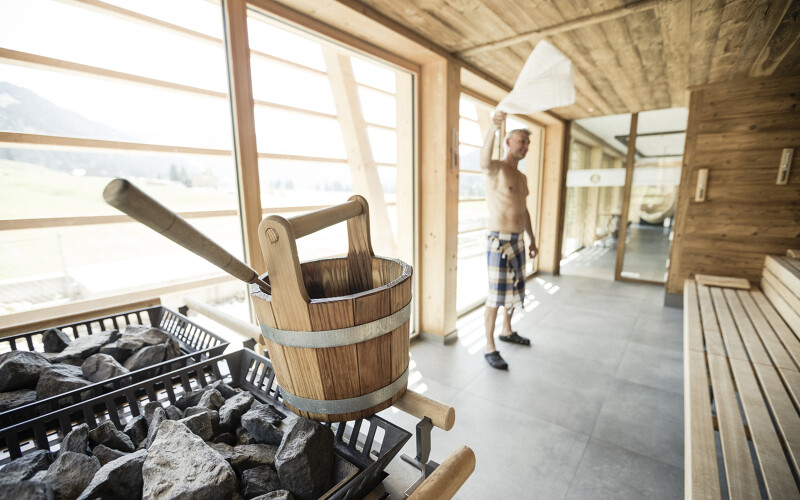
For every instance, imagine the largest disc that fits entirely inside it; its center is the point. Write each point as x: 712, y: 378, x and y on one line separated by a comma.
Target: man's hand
x: 498, y: 118
x: 533, y: 251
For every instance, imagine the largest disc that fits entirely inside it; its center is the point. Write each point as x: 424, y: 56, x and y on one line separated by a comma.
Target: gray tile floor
x: 593, y: 409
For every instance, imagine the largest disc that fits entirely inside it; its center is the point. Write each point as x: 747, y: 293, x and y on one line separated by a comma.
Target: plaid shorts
x: 505, y: 256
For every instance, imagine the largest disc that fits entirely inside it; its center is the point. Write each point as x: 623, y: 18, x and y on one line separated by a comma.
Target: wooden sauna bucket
x: 336, y: 330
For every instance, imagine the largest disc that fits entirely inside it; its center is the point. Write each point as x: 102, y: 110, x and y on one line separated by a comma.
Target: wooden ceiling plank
x: 608, y: 62
x: 768, y: 17
x: 782, y: 44
x: 564, y: 27
x: 736, y: 18
x: 642, y: 26
x: 675, y: 18
x: 583, y: 85
x: 790, y: 65
x: 705, y: 28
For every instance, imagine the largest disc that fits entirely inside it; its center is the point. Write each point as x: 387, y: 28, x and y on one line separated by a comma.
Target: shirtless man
x: 506, y: 190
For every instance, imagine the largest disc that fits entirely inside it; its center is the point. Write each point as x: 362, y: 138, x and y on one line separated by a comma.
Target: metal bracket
x: 421, y: 462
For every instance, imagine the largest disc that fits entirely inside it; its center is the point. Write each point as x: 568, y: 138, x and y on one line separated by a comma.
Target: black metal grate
x: 370, y: 444
x: 196, y: 343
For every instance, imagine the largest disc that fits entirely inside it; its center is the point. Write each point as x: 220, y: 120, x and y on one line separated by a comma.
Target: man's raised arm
x: 488, y: 140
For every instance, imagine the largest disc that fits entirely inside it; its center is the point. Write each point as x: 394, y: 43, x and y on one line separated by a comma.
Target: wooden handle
x: 305, y: 224
x: 448, y: 477
x: 126, y: 197
x: 414, y: 403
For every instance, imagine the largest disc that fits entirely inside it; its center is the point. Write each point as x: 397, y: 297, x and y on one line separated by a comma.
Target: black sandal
x: 496, y: 361
x: 514, y: 338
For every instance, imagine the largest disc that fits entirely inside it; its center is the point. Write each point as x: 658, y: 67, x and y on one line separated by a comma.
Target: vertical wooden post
x: 551, y: 214
x: 626, y: 196
x: 439, y: 97
x: 244, y: 128
x: 405, y: 166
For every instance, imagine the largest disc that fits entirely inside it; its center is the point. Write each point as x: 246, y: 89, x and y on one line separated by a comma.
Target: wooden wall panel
x: 737, y: 131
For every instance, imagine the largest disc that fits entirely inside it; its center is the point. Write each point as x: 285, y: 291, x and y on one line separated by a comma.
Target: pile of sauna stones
x: 213, y: 443
x: 67, y: 364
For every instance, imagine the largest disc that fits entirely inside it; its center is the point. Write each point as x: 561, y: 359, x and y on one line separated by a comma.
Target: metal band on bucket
x: 350, y: 405
x: 339, y: 337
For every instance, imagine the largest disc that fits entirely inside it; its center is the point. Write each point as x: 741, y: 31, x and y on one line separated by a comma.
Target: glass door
x: 659, y: 143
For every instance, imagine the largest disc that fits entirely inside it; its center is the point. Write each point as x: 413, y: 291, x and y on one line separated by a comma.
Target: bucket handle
x: 278, y: 237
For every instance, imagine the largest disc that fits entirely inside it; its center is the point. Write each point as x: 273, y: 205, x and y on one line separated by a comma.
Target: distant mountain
x: 26, y: 112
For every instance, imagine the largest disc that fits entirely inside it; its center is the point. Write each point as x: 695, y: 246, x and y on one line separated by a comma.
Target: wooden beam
x: 554, y: 188
x: 438, y: 229
x: 626, y: 197
x: 564, y: 27
x: 363, y: 169
x: 244, y: 128
x: 675, y: 20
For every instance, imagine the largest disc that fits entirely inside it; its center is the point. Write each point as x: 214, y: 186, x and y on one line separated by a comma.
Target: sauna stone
x: 113, y: 350
x: 136, y: 429
x: 108, y: 435
x: 211, y: 399
x: 305, y: 459
x: 76, y: 441
x: 137, y: 339
x: 159, y: 415
x: 261, y: 427
x: 120, y: 479
x: 231, y: 412
x: 21, y: 370
x: 200, y: 424
x: 223, y: 449
x: 145, y: 357
x: 173, y: 412
x: 213, y: 415
x: 226, y: 438
x: 25, y: 467
x: 276, y: 495
x: 105, y: 454
x: 13, y: 399
x: 54, y: 340
x: 99, y: 367
x: 27, y: 490
x: 83, y: 347
x: 150, y: 409
x: 180, y: 465
x: 253, y: 455
x: 259, y: 481
x: 70, y: 474
x: 59, y: 379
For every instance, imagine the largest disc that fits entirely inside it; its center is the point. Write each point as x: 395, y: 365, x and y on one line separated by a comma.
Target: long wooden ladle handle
x: 121, y: 194
x: 448, y: 477
x: 443, y: 416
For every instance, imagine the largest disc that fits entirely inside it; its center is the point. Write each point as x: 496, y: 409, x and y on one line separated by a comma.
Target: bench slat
x: 788, y: 338
x: 751, y: 340
x: 792, y: 380
x: 730, y: 334
x: 702, y: 476
x: 780, y: 357
x: 790, y: 316
x: 786, y: 294
x: 739, y: 470
x: 722, y: 281
x: 784, y: 411
x: 709, y: 321
x: 785, y: 271
x: 777, y: 475
x: 692, y: 328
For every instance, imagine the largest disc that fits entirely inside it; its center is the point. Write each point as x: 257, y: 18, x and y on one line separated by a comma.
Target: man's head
x: 517, y: 143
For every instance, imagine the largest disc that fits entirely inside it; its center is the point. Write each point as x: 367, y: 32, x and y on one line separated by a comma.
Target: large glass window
x: 139, y: 90
x: 331, y: 123
x: 87, y: 95
x: 473, y: 212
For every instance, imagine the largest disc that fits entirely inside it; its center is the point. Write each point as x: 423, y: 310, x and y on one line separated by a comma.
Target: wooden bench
x: 742, y: 386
